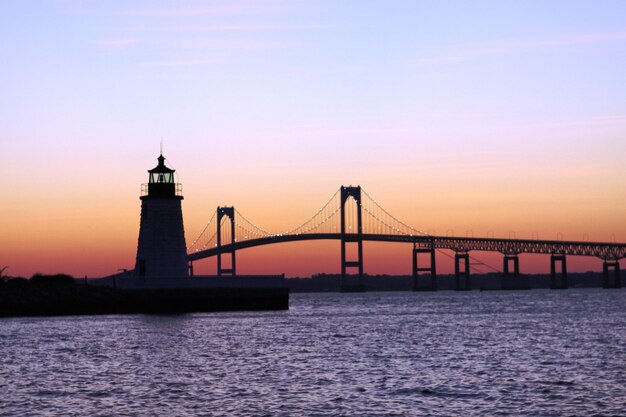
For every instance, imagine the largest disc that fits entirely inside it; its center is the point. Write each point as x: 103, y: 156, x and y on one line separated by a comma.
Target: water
x: 540, y: 353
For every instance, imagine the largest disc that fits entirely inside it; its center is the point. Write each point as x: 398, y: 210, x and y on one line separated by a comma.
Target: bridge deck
x: 603, y: 250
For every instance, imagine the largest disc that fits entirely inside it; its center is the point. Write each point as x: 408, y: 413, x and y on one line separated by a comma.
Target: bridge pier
x: 507, y: 260
x: 512, y: 279
x: 465, y: 273
x: 345, y: 284
x: 190, y: 268
x: 221, y: 271
x: 555, y: 283
x: 230, y: 213
x: 431, y: 269
x: 617, y: 281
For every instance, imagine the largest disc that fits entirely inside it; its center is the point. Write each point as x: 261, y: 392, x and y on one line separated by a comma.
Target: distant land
x: 331, y: 282
x: 490, y: 281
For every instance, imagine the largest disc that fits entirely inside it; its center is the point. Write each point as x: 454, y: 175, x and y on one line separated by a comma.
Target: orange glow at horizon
x: 72, y: 238
x: 84, y: 222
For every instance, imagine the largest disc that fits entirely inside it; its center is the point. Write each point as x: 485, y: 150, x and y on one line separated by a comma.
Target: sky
x: 483, y: 118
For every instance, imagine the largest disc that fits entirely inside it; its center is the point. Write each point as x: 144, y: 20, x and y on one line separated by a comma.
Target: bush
x: 58, y: 279
x: 15, y: 282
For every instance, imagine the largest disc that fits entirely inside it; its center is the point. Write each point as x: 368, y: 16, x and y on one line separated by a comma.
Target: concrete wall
x: 128, y: 281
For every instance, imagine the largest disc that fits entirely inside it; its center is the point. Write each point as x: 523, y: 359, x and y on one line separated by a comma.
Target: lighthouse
x: 161, y: 250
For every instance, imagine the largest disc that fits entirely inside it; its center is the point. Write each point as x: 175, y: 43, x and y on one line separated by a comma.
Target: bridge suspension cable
x: 206, y: 228
x: 245, y: 229
x: 472, y: 265
x: 392, y: 223
x: 322, y: 213
x: 479, y: 262
x: 375, y: 220
x: 252, y: 228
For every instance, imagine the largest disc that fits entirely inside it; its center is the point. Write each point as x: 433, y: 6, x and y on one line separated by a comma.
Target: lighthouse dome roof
x: 161, y: 168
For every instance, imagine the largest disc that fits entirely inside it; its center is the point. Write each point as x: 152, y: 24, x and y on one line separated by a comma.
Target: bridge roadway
x: 603, y: 250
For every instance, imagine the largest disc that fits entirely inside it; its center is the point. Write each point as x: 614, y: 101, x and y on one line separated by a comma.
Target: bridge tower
x: 230, y: 213
x: 161, y: 249
x: 353, y: 237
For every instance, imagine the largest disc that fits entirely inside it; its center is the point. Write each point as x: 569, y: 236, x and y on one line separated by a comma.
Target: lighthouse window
x: 162, y: 177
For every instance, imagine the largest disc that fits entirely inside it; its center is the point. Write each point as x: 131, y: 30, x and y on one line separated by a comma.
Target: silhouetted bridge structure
x: 353, y: 217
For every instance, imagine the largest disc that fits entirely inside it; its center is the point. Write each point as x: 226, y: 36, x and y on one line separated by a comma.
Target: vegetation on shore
x: 38, y: 279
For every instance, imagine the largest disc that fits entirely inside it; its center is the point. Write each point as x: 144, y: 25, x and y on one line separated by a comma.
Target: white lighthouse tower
x: 161, y: 250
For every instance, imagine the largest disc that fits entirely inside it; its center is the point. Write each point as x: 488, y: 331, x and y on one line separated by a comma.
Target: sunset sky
x: 483, y: 117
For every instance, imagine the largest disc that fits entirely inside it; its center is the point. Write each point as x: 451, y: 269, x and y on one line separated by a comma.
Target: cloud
x: 183, y: 63
x: 597, y: 121
x: 471, y: 51
x: 196, y: 47
x: 117, y: 43
x: 611, y: 118
x: 230, y: 28
x: 199, y: 11
x: 230, y: 44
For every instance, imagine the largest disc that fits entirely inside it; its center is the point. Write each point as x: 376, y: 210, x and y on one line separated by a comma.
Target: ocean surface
x: 520, y: 353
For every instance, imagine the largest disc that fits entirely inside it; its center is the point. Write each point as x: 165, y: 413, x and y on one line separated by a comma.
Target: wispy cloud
x: 198, y: 11
x: 183, y: 63
x: 475, y: 50
x: 117, y: 43
x: 597, y: 121
x: 611, y: 118
x: 214, y: 48
x: 230, y: 28
x: 230, y: 44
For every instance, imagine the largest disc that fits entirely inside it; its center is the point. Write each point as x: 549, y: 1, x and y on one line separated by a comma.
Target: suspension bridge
x: 352, y: 216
